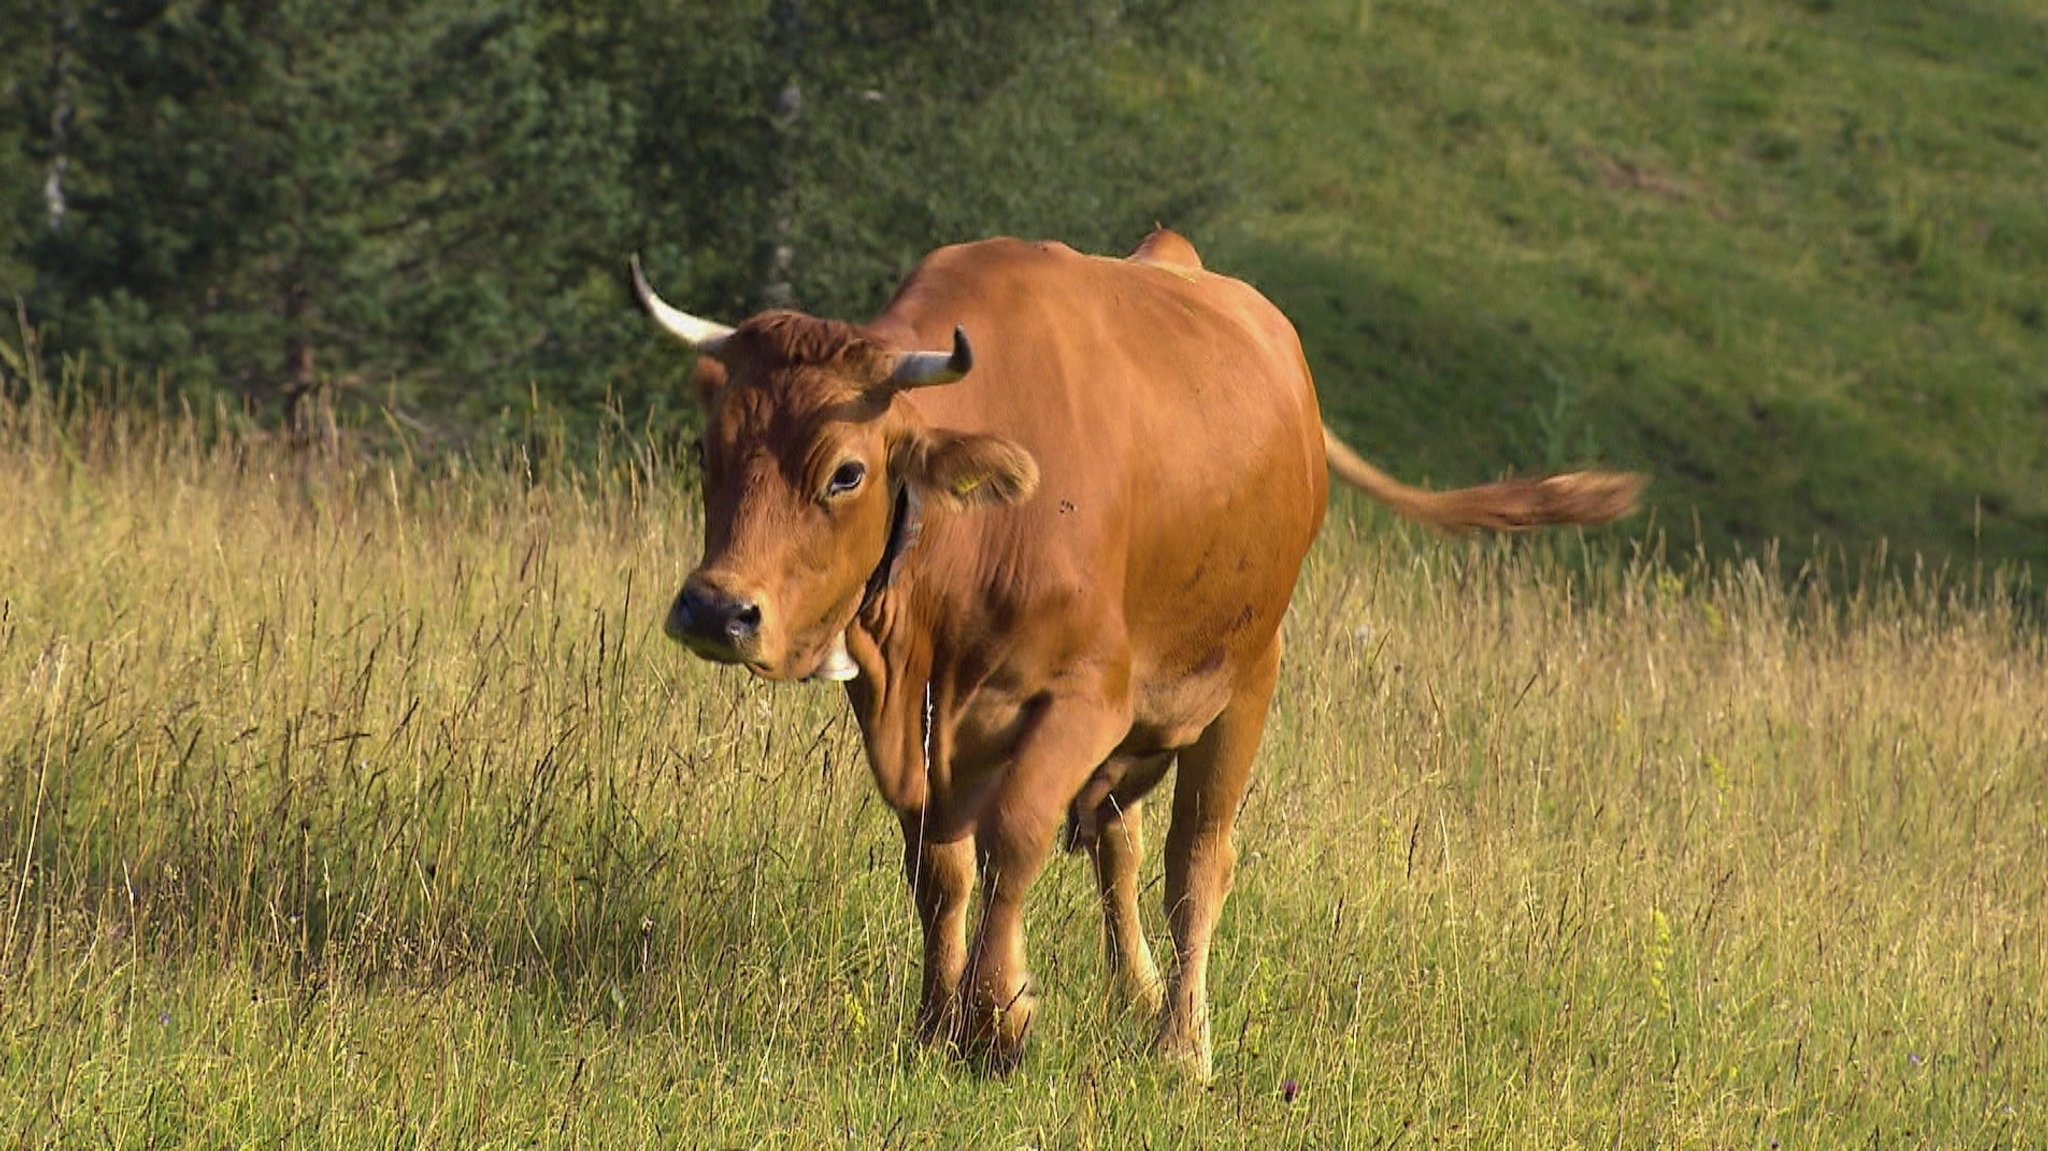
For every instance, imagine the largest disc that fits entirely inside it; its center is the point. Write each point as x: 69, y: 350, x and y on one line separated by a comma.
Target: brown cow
x: 1043, y: 586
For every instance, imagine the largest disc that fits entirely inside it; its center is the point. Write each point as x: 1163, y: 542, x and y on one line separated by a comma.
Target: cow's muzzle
x: 713, y: 622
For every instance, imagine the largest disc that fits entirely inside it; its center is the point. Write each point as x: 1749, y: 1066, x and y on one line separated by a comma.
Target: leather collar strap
x: 904, y: 526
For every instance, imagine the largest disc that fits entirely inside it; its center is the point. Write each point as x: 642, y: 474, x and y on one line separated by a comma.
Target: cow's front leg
x: 1013, y: 838
x: 941, y: 880
x: 1000, y: 1000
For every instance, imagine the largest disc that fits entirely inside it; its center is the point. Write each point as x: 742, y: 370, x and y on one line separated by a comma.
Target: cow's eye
x: 847, y: 478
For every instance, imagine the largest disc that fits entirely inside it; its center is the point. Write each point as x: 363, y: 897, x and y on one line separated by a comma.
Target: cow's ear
x: 965, y: 470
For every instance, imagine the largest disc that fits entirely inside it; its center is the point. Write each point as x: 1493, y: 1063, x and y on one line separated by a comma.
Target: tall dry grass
x: 360, y: 803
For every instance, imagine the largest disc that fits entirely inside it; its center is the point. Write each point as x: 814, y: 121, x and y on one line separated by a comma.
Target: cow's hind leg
x: 1214, y: 775
x: 1119, y: 851
x: 941, y: 882
x: 1114, y: 833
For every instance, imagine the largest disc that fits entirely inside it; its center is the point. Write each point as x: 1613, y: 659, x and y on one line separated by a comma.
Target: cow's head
x: 814, y: 478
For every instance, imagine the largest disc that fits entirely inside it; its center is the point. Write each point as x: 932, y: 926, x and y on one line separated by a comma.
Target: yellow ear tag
x: 965, y: 486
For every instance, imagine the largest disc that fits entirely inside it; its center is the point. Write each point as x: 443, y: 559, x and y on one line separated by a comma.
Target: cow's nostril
x: 745, y: 621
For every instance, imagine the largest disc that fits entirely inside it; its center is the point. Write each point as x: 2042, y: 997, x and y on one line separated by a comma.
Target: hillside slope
x: 1792, y: 258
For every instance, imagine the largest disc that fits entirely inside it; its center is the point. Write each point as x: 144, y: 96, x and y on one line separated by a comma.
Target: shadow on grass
x: 577, y: 907
x: 1447, y: 400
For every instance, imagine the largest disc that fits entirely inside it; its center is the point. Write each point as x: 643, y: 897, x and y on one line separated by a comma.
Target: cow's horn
x: 704, y: 335
x: 924, y: 369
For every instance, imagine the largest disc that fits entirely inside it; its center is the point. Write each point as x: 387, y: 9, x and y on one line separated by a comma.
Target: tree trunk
x: 63, y: 28
x: 308, y: 409
x: 778, y: 257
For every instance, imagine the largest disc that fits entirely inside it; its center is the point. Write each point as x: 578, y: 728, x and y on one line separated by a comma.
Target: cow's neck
x: 906, y: 523
x: 894, y: 657
x: 891, y: 697
x: 907, y: 640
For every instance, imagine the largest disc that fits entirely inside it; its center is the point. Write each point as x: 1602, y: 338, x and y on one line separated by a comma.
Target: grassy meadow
x: 1790, y: 256
x: 362, y: 804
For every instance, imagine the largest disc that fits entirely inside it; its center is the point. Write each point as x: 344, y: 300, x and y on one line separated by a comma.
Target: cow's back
x: 1179, y: 447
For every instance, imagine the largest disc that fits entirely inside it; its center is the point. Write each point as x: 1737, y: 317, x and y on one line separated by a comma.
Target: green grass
x: 1790, y: 258
x: 363, y: 805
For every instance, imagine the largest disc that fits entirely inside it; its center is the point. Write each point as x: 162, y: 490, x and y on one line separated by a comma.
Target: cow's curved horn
x: 924, y: 369
x: 706, y: 336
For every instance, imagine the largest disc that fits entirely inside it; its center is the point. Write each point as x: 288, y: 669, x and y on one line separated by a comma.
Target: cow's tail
x: 1507, y: 506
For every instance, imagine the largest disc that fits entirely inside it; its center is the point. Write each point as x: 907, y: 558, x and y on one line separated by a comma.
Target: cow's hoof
x: 1000, y: 1032
x: 1186, y: 1049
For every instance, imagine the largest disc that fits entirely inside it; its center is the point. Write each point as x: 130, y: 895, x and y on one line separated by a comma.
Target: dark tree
x: 270, y: 196
x: 432, y: 200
